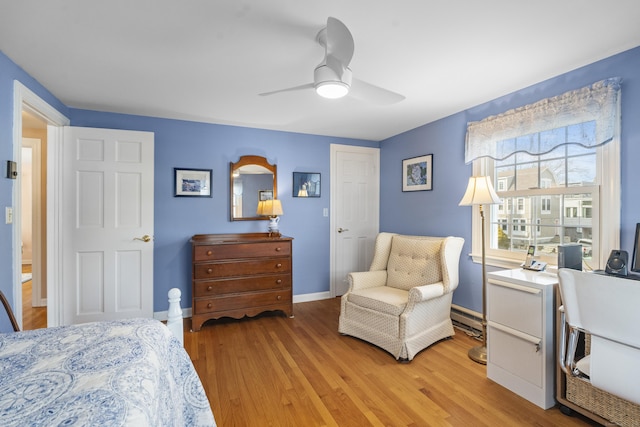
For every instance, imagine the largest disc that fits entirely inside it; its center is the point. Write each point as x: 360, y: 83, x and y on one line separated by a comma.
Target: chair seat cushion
x: 381, y: 298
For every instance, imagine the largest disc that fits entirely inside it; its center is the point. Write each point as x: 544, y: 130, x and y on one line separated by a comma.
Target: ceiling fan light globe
x: 332, y: 90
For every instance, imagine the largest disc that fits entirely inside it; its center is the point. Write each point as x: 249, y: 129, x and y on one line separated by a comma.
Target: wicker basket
x: 617, y: 410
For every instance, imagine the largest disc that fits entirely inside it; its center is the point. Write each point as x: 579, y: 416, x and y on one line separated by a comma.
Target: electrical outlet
x: 8, y: 217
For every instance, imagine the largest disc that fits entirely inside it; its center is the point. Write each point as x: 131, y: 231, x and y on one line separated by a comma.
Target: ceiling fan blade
x: 339, y: 41
x: 290, y: 89
x: 367, y: 92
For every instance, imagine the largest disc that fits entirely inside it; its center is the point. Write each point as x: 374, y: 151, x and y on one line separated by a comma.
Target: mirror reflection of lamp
x: 271, y: 208
x: 303, y: 191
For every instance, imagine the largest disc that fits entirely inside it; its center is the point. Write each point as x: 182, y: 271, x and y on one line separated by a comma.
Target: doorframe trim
x: 26, y: 99
x: 333, y: 167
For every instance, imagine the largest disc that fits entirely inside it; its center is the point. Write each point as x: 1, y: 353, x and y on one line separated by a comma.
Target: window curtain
x: 586, y: 116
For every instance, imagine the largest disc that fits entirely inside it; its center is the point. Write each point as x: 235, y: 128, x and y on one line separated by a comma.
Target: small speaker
x: 570, y: 256
x: 617, y: 263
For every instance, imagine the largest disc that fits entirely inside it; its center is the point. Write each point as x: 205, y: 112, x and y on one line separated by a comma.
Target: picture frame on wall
x: 265, y: 195
x: 306, y: 184
x: 417, y: 173
x: 192, y: 182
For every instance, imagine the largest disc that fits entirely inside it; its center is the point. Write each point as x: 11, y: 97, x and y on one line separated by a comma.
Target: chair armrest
x: 366, y: 279
x: 425, y: 292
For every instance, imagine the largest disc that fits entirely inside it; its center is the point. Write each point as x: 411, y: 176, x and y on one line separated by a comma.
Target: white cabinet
x: 520, y: 333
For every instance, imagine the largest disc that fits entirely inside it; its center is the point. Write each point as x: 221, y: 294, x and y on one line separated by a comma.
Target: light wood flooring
x: 275, y: 371
x: 32, y: 317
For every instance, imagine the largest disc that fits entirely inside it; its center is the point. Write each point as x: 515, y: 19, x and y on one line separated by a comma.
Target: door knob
x: 145, y: 238
x: 340, y: 229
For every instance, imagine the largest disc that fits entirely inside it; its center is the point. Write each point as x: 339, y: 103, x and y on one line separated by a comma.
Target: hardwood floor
x: 32, y: 317
x: 275, y: 371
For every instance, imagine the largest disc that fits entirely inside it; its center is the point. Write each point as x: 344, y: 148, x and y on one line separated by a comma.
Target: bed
x: 120, y: 373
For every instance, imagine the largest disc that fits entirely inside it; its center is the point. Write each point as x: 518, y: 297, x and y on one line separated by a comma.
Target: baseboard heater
x: 465, y: 318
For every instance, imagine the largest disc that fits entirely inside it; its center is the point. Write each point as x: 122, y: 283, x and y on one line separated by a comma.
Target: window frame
x: 606, y: 220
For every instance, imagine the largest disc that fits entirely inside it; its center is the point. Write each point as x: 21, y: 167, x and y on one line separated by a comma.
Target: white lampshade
x: 269, y: 208
x: 479, y: 192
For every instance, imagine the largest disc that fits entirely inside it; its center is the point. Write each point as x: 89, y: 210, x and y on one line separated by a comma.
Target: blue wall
x: 437, y: 212
x: 207, y: 146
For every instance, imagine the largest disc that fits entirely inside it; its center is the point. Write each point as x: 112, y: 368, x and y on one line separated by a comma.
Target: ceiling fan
x: 333, y: 78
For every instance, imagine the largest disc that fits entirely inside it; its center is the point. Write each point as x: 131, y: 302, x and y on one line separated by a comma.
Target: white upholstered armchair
x: 403, y: 303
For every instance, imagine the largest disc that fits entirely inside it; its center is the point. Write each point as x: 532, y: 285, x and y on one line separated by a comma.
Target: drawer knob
x: 209, y: 288
x: 278, y: 249
x: 209, y: 270
x: 279, y: 297
x: 209, y: 305
x: 278, y: 265
x: 279, y: 281
x: 209, y: 252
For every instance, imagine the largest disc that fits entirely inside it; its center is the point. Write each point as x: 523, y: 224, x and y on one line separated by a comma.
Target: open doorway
x: 26, y: 100
x: 33, y: 221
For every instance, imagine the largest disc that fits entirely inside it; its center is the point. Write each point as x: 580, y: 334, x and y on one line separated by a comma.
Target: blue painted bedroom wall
x: 208, y: 146
x: 437, y: 212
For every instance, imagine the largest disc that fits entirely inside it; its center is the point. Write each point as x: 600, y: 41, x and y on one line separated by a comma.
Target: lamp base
x: 478, y: 354
x: 273, y: 225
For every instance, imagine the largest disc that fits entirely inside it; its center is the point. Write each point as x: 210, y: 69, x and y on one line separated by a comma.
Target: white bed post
x: 174, y: 317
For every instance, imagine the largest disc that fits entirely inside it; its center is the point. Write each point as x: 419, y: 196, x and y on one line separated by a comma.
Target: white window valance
x: 590, y: 112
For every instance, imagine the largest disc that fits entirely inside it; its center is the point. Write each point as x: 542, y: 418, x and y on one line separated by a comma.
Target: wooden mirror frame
x: 246, y: 161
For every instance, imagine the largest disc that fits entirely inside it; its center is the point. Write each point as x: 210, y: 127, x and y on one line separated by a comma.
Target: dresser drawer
x: 242, y: 250
x: 246, y: 284
x: 517, y: 306
x: 227, y: 303
x: 241, y: 268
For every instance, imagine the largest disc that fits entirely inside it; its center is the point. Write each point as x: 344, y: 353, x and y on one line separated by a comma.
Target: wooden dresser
x: 237, y: 275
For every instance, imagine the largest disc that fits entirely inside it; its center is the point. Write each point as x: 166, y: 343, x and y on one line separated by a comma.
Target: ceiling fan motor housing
x: 329, y: 85
x: 325, y: 74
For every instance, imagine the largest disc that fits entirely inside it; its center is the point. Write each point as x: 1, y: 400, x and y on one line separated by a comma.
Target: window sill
x: 506, y: 263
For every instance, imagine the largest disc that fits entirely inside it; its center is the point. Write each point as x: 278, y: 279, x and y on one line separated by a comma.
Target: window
x: 550, y: 180
x: 547, y: 214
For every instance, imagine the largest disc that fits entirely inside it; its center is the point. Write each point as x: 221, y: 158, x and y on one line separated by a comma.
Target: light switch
x: 325, y: 212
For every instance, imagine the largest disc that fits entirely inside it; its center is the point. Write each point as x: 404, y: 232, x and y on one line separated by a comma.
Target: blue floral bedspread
x: 121, y: 373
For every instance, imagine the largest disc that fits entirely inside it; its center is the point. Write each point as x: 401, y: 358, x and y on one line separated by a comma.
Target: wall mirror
x: 252, y: 179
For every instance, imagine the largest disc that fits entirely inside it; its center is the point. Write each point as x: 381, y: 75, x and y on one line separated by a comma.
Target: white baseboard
x: 311, y: 297
x: 164, y: 315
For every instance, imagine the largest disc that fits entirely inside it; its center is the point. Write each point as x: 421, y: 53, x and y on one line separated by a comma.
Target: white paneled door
x: 107, y: 227
x: 355, y: 215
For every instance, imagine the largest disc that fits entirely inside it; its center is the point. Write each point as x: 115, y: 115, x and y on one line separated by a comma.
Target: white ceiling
x: 205, y: 60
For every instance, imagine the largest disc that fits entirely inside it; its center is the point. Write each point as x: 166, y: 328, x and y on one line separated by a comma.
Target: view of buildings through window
x: 546, y: 199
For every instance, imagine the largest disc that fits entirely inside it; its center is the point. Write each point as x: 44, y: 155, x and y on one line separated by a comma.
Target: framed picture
x: 306, y: 184
x: 265, y: 195
x: 417, y: 173
x: 192, y: 182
